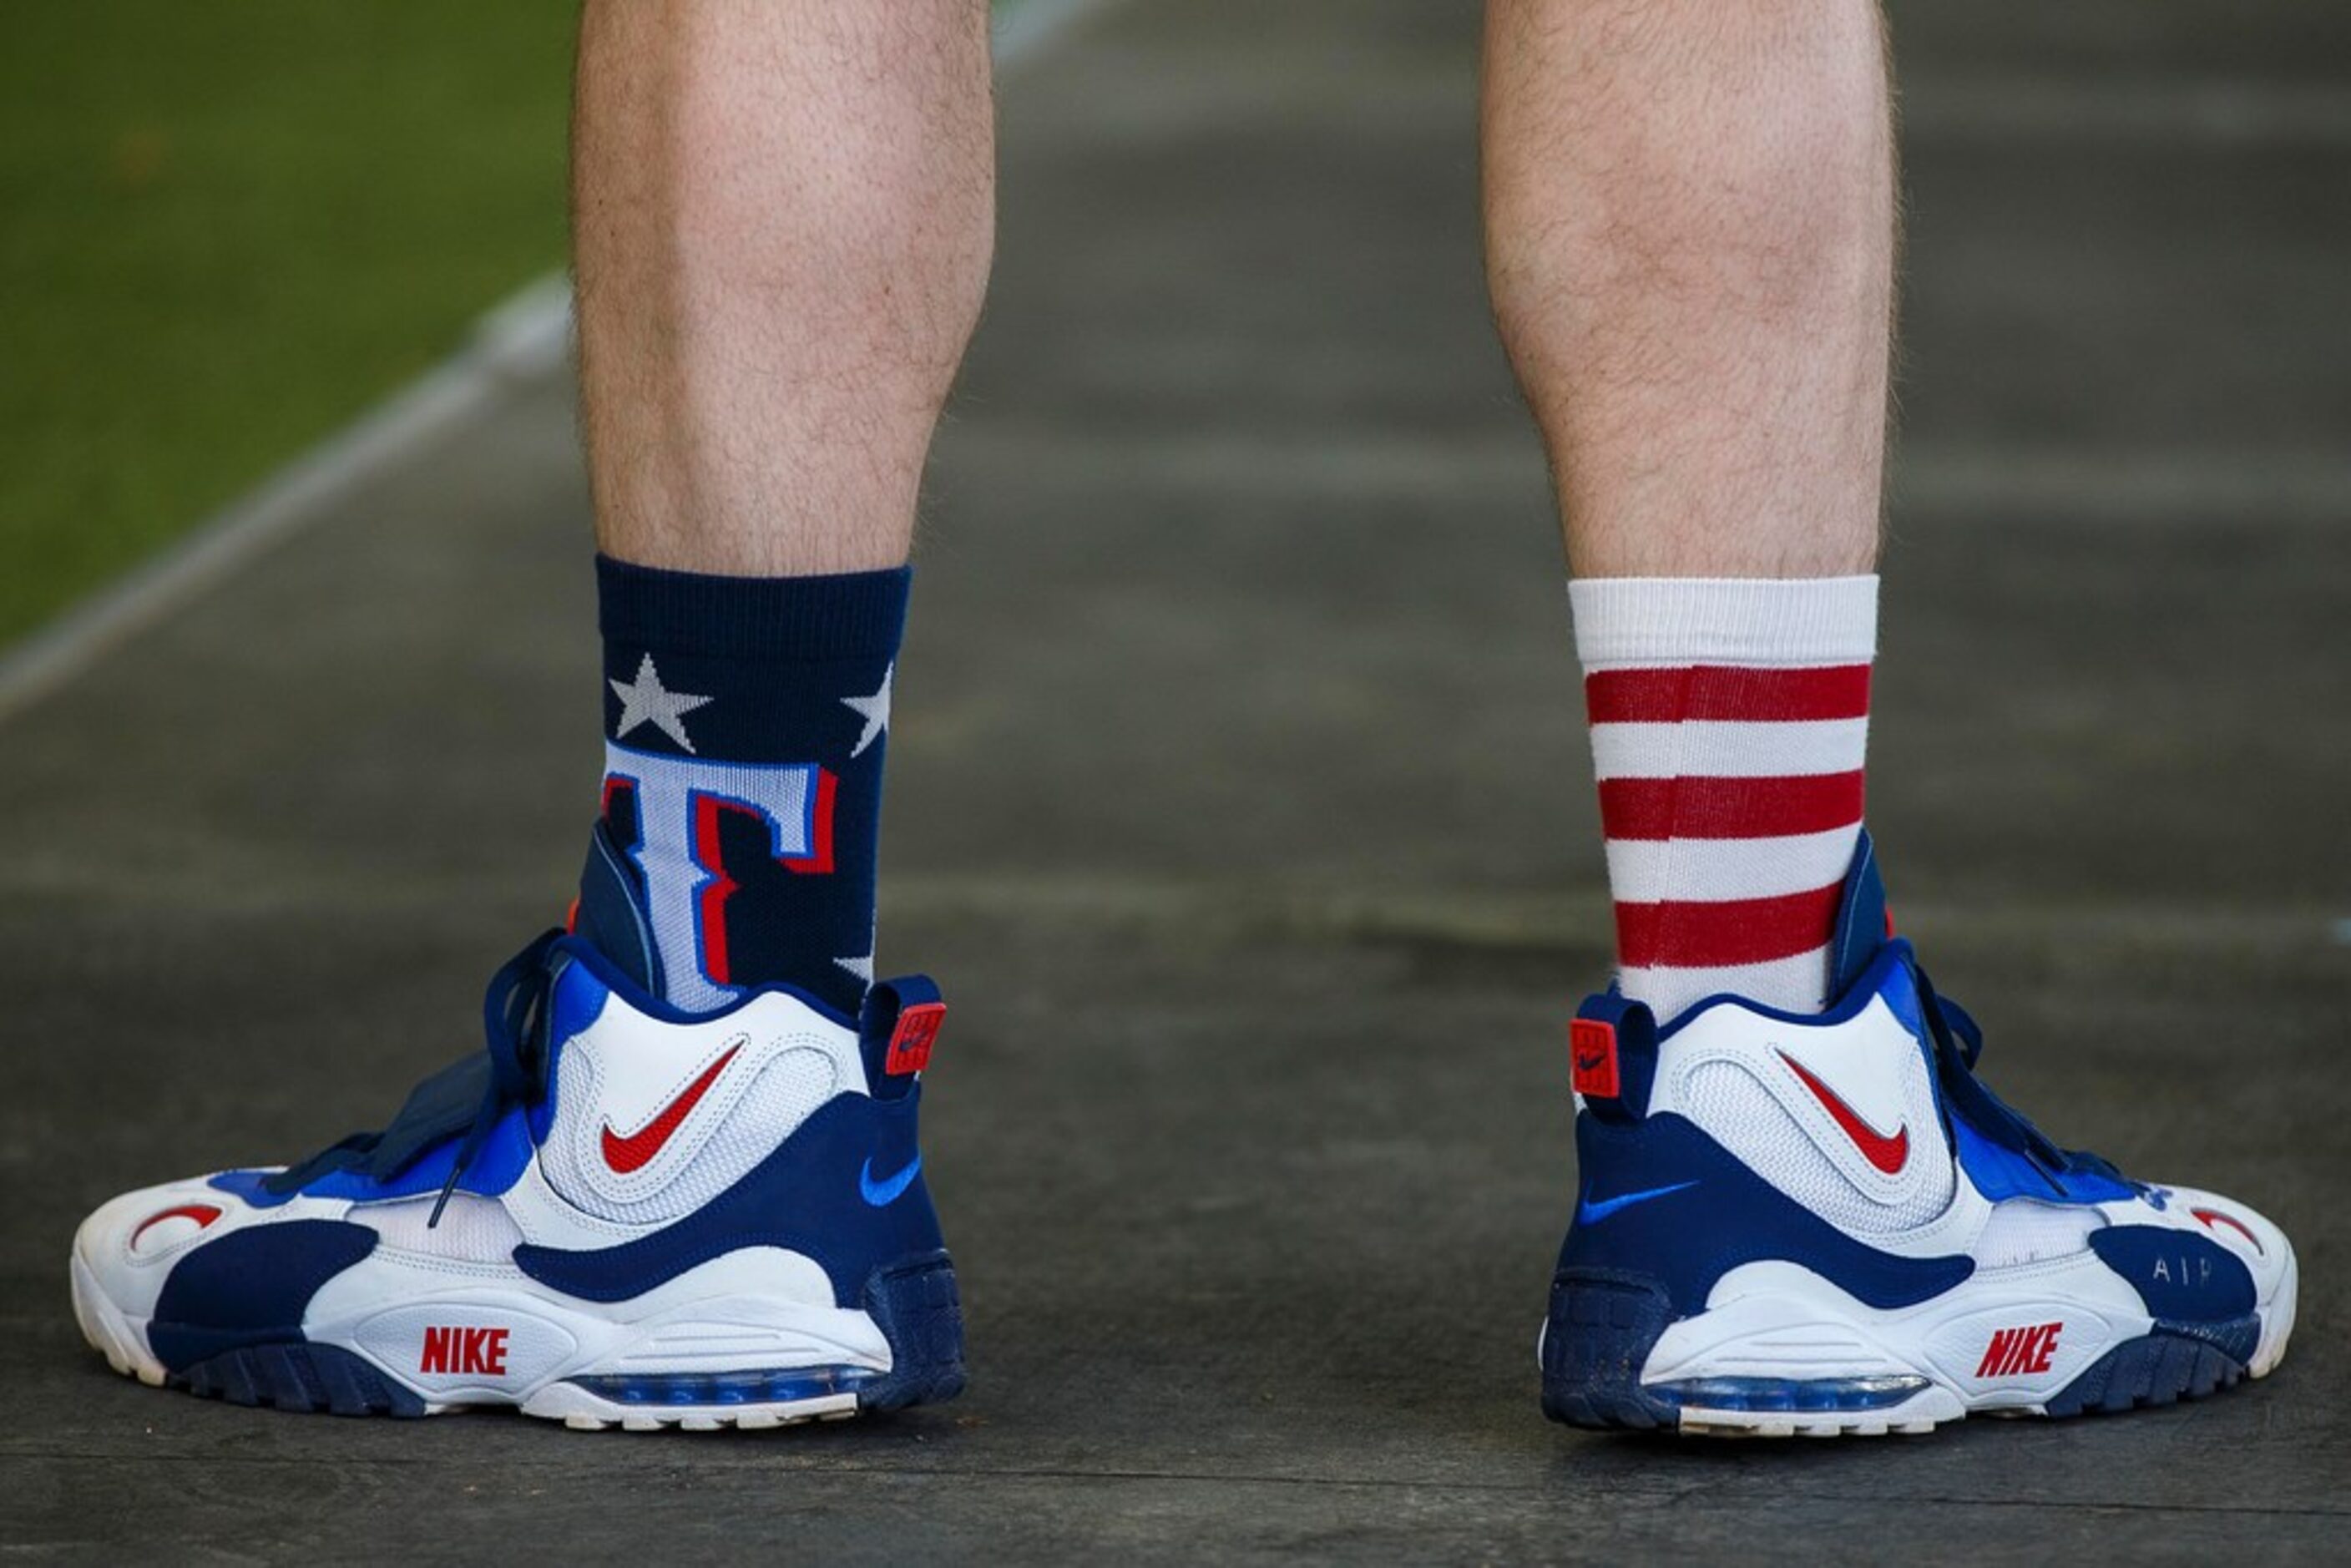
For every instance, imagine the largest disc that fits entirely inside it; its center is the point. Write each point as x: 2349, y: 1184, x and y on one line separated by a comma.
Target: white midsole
x: 1781, y: 1321
x: 456, y: 1341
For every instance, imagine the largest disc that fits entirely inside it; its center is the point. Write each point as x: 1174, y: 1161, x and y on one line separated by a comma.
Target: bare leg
x: 783, y: 221
x: 1689, y: 224
x: 1689, y: 227
x: 784, y: 214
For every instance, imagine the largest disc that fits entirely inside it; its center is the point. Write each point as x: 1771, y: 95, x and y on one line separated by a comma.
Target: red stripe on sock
x: 1727, y: 692
x: 1729, y: 808
x: 1697, y: 935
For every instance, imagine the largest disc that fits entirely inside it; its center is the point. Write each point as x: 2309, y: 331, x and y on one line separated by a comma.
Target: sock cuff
x: 845, y: 615
x: 1724, y: 620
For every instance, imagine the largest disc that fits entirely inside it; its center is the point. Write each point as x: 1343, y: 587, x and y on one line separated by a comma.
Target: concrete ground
x: 1239, y: 796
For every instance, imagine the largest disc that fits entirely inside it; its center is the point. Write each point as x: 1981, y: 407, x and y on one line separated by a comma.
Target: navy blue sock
x: 745, y: 721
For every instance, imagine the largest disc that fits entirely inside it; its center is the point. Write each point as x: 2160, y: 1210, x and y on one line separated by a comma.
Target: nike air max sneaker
x: 617, y: 1215
x: 1830, y: 1224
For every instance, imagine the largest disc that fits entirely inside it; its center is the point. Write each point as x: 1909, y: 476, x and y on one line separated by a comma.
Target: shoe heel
x: 1602, y: 1326
x: 915, y: 1304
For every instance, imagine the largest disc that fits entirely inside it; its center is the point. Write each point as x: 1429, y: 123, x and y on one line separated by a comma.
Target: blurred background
x: 1239, y: 789
x: 228, y: 228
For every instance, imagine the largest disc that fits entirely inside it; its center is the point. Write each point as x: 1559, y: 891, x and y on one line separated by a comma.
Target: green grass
x: 228, y: 225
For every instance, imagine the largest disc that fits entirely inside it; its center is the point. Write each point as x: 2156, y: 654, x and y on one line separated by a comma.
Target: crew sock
x: 744, y: 724
x: 1729, y: 719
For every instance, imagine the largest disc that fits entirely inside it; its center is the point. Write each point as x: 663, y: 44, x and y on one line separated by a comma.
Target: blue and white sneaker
x: 1830, y: 1224
x: 618, y: 1214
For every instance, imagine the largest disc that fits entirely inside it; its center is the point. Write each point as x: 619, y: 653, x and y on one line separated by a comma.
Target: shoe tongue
x: 610, y: 915
x: 1862, y: 926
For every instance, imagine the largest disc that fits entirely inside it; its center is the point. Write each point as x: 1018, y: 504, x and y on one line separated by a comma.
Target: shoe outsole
x: 1594, y: 1343
x: 1602, y: 1326
x: 916, y: 1305
x: 309, y: 1378
x: 2153, y: 1369
x: 914, y: 1302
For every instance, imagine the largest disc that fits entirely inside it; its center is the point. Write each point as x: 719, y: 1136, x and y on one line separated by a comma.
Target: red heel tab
x: 899, y: 1024
x: 911, y: 1042
x: 1614, y: 1044
x: 1591, y: 1045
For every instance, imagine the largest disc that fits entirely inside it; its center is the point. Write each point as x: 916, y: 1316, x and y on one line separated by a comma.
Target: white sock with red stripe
x: 1730, y: 718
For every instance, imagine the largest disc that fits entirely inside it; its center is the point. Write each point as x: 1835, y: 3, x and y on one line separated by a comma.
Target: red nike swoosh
x: 2211, y: 1216
x: 203, y: 1214
x: 629, y: 1153
x: 1887, y: 1154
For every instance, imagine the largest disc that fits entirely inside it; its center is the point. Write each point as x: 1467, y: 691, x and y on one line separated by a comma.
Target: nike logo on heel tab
x: 897, y: 1032
x: 1593, y: 1044
x: 911, y: 1042
x: 1613, y: 1053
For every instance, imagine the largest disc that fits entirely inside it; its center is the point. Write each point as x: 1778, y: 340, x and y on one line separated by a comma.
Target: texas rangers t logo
x: 684, y: 811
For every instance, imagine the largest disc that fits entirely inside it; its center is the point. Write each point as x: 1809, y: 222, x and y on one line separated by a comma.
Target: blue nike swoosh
x: 1590, y: 1213
x: 882, y: 1194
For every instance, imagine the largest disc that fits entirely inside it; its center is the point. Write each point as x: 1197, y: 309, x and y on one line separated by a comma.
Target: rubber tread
x: 919, y: 1311
x: 1602, y: 1327
x: 2155, y: 1369
x: 299, y: 1377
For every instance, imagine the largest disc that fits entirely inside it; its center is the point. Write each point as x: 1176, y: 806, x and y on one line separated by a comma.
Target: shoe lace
x: 1959, y: 1044
x: 468, y: 1098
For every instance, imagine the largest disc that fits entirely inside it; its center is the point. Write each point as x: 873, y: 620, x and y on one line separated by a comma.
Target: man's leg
x: 683, y: 1188
x: 1691, y: 229
x: 1689, y: 216
x: 784, y: 215
x: 1689, y: 213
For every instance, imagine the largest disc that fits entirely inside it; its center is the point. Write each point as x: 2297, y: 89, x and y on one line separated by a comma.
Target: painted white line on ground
x: 520, y: 343
x: 523, y: 340
x: 1027, y: 26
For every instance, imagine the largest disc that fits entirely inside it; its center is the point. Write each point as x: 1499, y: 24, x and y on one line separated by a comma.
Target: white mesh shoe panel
x: 2024, y: 1231
x: 740, y: 1124
x: 473, y: 1229
x: 1725, y: 1098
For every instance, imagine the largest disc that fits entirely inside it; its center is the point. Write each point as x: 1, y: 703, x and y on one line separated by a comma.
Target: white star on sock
x: 645, y: 701
x: 861, y: 967
x: 874, y: 710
